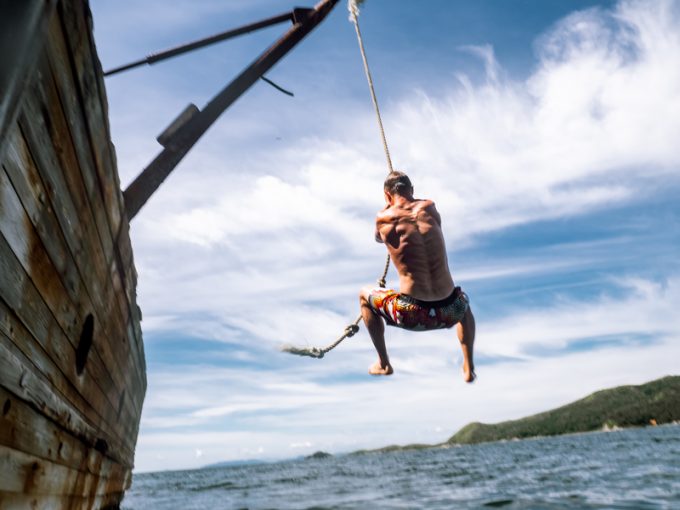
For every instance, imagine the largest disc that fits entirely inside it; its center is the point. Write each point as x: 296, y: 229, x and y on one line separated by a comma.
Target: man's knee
x: 364, y: 294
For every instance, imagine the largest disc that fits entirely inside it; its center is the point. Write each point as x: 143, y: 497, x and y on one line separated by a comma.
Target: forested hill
x: 653, y: 403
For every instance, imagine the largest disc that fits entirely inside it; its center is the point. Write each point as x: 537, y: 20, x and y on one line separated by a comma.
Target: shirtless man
x: 427, y: 298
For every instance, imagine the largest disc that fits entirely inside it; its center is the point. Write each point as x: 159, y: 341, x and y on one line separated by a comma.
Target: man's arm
x: 378, y: 237
x: 434, y: 213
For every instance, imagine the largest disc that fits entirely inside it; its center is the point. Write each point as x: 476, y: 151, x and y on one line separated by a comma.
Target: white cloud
x: 304, y: 444
x: 647, y: 309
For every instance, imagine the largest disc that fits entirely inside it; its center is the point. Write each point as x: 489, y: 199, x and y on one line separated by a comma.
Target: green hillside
x: 656, y: 402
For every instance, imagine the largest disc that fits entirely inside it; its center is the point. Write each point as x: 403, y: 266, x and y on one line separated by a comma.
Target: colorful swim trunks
x: 413, y: 314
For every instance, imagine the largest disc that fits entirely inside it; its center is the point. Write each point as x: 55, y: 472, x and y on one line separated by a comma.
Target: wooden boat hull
x: 72, y: 369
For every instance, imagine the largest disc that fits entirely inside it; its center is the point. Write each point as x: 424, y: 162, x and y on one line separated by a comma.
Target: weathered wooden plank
x: 19, y: 291
x: 133, y: 344
x: 35, y: 349
x: 126, y: 261
x: 61, y: 97
x: 21, y: 377
x: 36, y: 273
x: 86, y: 197
x: 123, y: 285
x: 64, y: 85
x: 129, y: 279
x: 49, y: 182
x: 62, y: 72
x: 25, y: 429
x: 27, y: 182
x: 77, y: 227
x: 76, y: 23
x: 90, y: 212
x: 20, y: 235
x: 26, y: 365
x: 135, y: 363
x: 32, y: 475
x: 133, y: 333
x: 73, y: 218
x: 16, y: 501
x: 43, y: 222
x: 72, y: 104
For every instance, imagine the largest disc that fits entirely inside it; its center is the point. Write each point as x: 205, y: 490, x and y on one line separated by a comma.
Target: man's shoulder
x: 425, y: 203
x: 384, y: 214
x: 427, y: 211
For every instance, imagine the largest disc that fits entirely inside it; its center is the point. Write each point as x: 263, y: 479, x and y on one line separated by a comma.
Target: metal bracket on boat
x: 165, y: 138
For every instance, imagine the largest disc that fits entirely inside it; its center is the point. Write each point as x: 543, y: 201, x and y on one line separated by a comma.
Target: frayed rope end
x: 312, y: 352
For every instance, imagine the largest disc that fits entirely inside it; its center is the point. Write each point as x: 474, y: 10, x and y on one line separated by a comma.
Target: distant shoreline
x: 622, y: 407
x: 650, y: 404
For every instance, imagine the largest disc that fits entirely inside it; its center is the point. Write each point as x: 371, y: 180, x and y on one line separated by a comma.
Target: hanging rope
x: 354, y: 18
x: 353, y: 328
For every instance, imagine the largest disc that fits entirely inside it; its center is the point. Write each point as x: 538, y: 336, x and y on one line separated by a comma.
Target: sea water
x: 632, y: 469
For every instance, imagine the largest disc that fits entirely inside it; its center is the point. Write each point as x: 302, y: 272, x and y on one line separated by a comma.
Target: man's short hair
x: 399, y: 183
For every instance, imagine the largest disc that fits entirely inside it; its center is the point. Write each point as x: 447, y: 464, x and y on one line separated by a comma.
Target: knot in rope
x: 351, y: 330
x: 317, y: 353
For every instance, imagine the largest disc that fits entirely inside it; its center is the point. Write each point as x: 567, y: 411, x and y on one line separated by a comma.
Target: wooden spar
x: 184, y: 48
x: 145, y: 185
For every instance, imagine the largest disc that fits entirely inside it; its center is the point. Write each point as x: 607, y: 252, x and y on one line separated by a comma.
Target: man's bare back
x: 427, y: 297
x: 411, y: 230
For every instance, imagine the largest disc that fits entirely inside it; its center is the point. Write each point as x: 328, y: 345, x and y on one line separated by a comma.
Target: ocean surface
x: 631, y: 469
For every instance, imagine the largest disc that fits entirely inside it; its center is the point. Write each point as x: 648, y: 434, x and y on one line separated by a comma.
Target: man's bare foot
x: 468, y: 366
x: 468, y: 373
x: 377, y: 369
x: 466, y: 337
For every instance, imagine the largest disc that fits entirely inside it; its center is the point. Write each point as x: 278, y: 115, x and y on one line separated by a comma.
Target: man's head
x: 398, y: 183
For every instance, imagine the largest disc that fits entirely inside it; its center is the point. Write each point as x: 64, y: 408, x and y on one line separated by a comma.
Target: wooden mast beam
x: 185, y: 136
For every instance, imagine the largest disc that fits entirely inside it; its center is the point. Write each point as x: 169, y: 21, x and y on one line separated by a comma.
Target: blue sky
x: 545, y: 131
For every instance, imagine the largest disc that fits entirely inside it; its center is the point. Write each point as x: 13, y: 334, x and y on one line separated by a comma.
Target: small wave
x: 323, y: 508
x: 296, y: 479
x: 223, y: 485
x: 499, y: 503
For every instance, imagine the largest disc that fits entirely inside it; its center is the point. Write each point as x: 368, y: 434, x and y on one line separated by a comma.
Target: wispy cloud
x: 645, y: 310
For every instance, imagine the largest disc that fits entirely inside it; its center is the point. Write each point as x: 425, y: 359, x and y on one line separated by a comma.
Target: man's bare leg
x: 376, y: 329
x: 466, y: 335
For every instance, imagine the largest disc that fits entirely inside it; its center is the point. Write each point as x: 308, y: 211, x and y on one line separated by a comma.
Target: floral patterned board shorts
x: 413, y: 314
